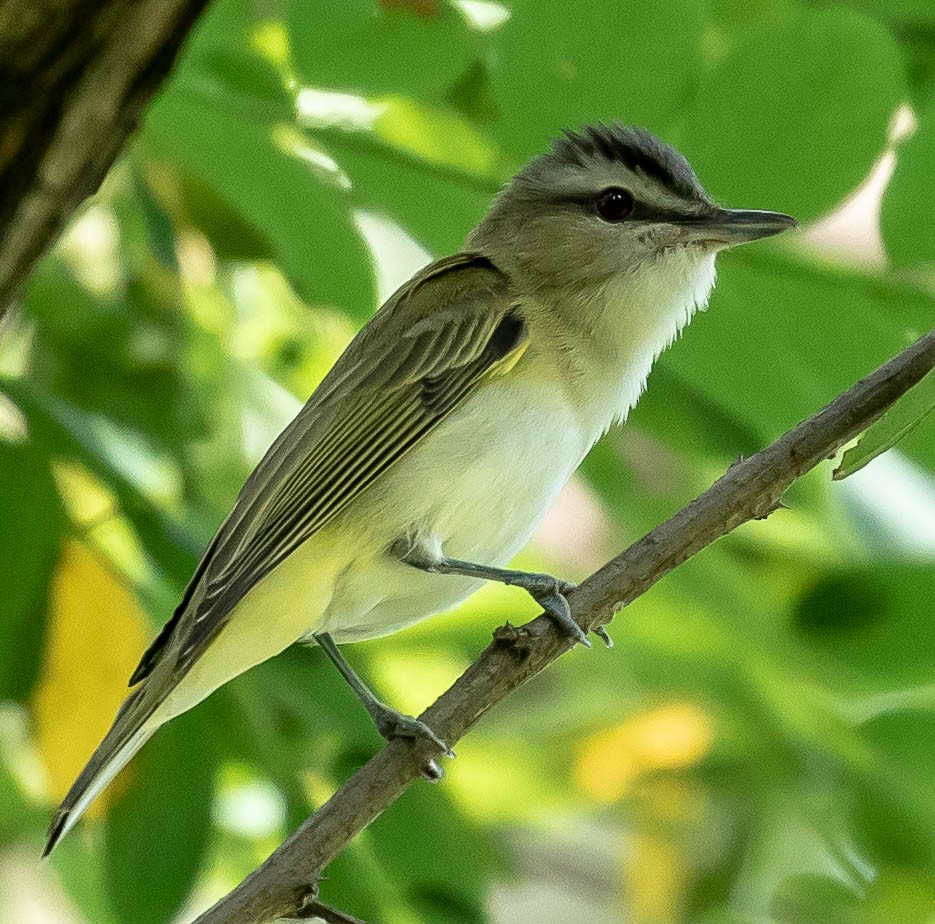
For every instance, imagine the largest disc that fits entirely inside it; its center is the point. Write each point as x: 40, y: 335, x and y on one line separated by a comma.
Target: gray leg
x: 547, y: 591
x: 390, y: 723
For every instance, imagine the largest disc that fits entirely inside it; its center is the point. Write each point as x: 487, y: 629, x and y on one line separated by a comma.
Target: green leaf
x: 792, y: 118
x: 364, y: 47
x: 116, y: 353
x: 232, y: 236
x: 263, y: 172
x: 781, y: 339
x: 559, y: 65
x: 903, y: 417
x: 17, y: 812
x: 83, y: 877
x: 898, y: 823
x: 33, y: 513
x: 445, y: 872
x: 870, y: 628
x: 918, y: 13
x: 906, y: 216
x: 437, y: 207
x: 240, y: 80
x: 92, y: 441
x: 899, y: 895
x: 157, y: 832
x: 813, y: 899
x: 224, y: 65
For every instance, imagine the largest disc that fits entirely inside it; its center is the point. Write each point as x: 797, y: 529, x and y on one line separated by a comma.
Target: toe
x: 405, y: 726
x: 422, y: 730
x: 557, y: 607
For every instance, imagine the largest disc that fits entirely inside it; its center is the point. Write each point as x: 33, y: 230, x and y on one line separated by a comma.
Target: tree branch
x: 74, y: 79
x: 750, y: 489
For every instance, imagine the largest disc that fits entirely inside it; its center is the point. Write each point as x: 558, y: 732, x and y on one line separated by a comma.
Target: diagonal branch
x: 750, y: 489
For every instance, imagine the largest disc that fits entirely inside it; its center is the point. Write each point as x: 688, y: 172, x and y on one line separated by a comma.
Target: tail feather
x: 127, y: 735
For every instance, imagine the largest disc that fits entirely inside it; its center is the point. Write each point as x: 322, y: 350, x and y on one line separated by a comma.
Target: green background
x: 759, y: 744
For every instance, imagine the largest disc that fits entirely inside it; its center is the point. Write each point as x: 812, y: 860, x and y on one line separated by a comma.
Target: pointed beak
x: 728, y: 227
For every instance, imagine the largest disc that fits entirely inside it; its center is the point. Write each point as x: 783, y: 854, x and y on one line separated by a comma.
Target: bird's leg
x: 549, y: 592
x: 390, y: 723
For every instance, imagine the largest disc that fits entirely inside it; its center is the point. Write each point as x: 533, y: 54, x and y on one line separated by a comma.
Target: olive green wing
x: 417, y: 359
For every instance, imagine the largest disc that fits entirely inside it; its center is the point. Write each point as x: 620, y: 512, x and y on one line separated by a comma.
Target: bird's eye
x: 614, y: 204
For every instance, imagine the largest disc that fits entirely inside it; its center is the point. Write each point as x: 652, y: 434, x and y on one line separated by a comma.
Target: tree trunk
x: 75, y: 75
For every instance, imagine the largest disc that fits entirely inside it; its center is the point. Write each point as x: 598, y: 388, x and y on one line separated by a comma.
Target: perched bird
x: 430, y: 452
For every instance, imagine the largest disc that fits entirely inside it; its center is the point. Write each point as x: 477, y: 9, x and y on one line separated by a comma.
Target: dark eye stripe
x: 642, y: 211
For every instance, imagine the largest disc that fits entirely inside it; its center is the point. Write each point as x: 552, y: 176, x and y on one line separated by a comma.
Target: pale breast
x: 482, y: 481
x: 474, y: 489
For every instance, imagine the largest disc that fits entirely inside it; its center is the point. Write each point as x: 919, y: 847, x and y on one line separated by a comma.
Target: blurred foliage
x: 759, y: 744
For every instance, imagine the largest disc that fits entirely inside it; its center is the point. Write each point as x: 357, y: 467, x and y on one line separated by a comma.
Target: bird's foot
x: 549, y: 592
x: 392, y: 724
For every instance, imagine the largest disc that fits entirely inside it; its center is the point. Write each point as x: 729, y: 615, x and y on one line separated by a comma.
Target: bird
x: 427, y: 456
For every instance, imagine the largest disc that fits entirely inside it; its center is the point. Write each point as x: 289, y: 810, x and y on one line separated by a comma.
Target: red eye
x: 614, y: 204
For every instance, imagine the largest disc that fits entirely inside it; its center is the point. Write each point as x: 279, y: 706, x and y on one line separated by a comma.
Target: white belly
x: 475, y: 489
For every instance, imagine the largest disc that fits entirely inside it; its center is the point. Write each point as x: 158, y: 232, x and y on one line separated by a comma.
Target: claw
x: 556, y: 606
x: 392, y: 724
x: 432, y: 772
x: 601, y: 633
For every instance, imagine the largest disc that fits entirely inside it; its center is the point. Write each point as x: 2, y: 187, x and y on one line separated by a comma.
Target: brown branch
x: 750, y: 489
x: 74, y: 79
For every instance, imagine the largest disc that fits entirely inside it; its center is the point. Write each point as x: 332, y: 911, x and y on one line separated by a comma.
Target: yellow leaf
x: 437, y: 135
x: 667, y: 737
x: 655, y: 877
x: 96, y: 634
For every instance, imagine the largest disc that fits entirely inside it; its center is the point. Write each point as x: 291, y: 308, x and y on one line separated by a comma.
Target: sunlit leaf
x: 899, y: 894
x: 395, y: 49
x: 435, y: 208
x: 264, y: 171
x: 94, y: 641
x: 667, y: 738
x: 120, y: 465
x: 896, y: 423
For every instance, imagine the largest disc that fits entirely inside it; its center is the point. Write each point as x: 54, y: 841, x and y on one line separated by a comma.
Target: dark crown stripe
x: 636, y: 149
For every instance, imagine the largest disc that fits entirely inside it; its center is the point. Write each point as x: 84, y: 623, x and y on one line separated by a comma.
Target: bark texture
x: 75, y: 75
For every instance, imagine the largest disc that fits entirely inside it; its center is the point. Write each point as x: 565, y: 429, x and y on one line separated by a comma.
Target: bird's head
x: 613, y: 206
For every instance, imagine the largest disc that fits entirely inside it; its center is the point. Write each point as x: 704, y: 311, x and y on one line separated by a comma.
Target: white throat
x: 640, y: 316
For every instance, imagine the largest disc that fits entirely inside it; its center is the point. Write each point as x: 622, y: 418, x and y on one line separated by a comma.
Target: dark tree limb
x: 750, y: 489
x: 75, y: 76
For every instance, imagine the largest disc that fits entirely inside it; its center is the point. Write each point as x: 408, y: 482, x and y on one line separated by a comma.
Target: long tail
x: 127, y: 735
